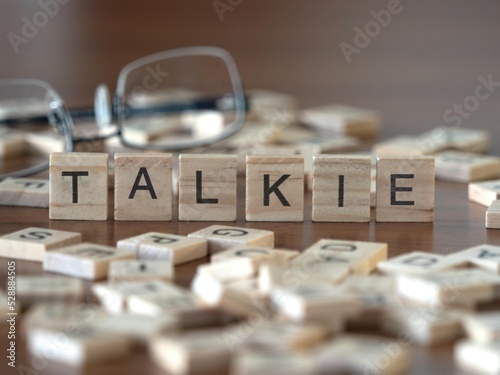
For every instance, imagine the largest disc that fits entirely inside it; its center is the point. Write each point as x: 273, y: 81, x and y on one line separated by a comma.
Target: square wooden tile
x: 484, y: 193
x: 405, y: 189
x: 85, y: 260
x: 275, y: 188
x: 484, y: 256
x: 130, y: 270
x: 419, y: 263
x: 207, y: 187
x: 341, y: 188
x: 466, y: 167
x: 78, y: 186
x: 493, y: 215
x: 165, y: 247
x: 143, y: 187
x: 33, y: 243
x: 222, y: 237
x: 24, y: 192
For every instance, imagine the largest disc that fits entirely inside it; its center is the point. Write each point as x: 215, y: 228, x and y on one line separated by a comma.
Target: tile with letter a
x: 221, y: 237
x: 191, y: 353
x: 130, y: 270
x: 418, y: 263
x: 493, y: 215
x: 483, y: 256
x: 83, y: 347
x: 143, y: 187
x: 78, y: 186
x: 405, y: 189
x: 33, y: 243
x: 207, y: 187
x: 24, y: 192
x: 165, y: 247
x: 85, y: 260
x: 275, y: 188
x: 341, y: 188
x: 484, y: 193
x: 466, y: 167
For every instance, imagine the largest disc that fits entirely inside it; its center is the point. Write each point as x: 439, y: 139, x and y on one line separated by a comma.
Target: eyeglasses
x: 170, y: 101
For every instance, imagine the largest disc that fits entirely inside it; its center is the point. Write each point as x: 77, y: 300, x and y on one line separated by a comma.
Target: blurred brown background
x: 428, y: 57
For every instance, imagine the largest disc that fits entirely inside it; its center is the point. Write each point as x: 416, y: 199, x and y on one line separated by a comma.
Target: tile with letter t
x: 275, y: 188
x: 78, y: 186
x: 85, y: 260
x: 143, y: 187
x: 207, y: 187
x: 24, y: 192
x: 165, y: 247
x: 33, y: 243
x: 484, y: 193
x: 405, y: 189
x: 466, y: 167
x: 341, y: 188
x: 221, y: 237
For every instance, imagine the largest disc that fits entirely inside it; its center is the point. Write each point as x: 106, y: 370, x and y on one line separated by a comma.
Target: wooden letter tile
x: 207, y: 187
x: 418, y: 263
x: 256, y: 254
x: 485, y: 192
x: 143, y: 187
x: 85, y: 260
x: 78, y: 186
x: 466, y: 167
x: 275, y: 188
x: 48, y: 288
x: 32, y: 243
x: 405, y: 189
x: 221, y: 238
x: 24, y: 192
x: 341, y: 188
x: 483, y: 256
x: 165, y: 247
x: 131, y: 270
x: 493, y: 215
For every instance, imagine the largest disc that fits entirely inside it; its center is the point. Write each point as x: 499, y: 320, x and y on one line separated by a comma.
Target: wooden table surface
x: 429, y: 56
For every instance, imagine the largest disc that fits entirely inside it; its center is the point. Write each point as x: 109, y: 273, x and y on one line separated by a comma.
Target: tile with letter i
x: 341, y: 188
x: 24, y: 192
x: 275, y: 188
x: 143, y: 187
x: 33, y: 243
x: 221, y: 237
x: 405, y: 189
x: 78, y: 186
x: 207, y: 187
x: 165, y: 247
x: 484, y: 193
x: 131, y: 270
x: 85, y: 260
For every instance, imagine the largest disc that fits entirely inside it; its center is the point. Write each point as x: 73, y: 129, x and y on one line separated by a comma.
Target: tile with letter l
x: 405, y: 189
x: 143, y: 187
x: 207, y: 187
x: 24, y: 192
x: 341, y: 188
x: 275, y: 188
x: 85, y: 260
x: 33, y: 243
x: 78, y: 186
x: 222, y: 237
x: 165, y: 247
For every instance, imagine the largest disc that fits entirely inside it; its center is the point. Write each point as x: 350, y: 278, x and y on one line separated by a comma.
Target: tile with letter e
x: 484, y: 193
x: 405, y: 189
x: 83, y: 347
x: 341, y: 188
x: 221, y: 237
x: 466, y: 167
x: 165, y: 247
x: 78, y: 186
x: 207, y: 187
x: 143, y: 187
x: 85, y: 260
x: 131, y: 270
x: 275, y: 188
x: 24, y: 192
x: 418, y: 263
x: 493, y: 215
x: 33, y: 243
